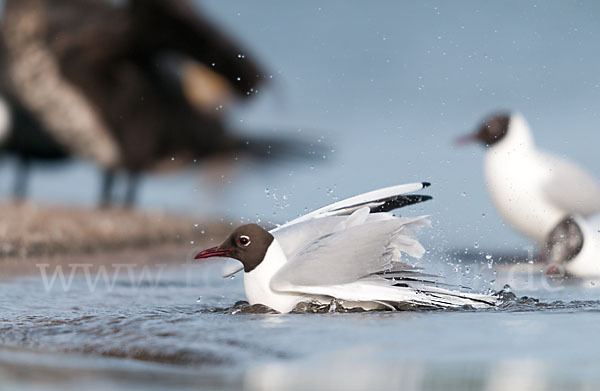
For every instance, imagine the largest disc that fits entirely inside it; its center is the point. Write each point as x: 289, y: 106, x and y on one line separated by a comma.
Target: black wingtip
x: 400, y: 201
x: 425, y: 184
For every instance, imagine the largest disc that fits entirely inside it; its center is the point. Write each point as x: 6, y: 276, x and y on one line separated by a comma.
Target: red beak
x: 212, y: 252
x: 466, y: 139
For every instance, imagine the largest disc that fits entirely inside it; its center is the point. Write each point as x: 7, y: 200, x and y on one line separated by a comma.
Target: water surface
x: 174, y: 326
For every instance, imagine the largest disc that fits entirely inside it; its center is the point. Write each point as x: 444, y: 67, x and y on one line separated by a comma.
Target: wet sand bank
x: 32, y: 234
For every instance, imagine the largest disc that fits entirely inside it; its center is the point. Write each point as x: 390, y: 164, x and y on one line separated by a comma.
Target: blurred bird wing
x: 351, y: 253
x: 38, y: 81
x: 570, y: 187
x: 180, y: 27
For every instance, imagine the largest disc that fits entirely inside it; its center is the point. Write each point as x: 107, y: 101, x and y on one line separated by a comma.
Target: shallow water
x: 149, y: 328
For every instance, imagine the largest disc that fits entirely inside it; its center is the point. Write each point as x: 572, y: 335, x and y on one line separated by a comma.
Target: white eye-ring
x: 244, y: 241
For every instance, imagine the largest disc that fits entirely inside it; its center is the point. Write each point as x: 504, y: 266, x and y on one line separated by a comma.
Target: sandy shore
x: 32, y: 234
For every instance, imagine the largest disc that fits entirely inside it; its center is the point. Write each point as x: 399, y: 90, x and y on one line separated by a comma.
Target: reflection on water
x: 362, y: 369
x: 185, y: 329
x: 24, y: 370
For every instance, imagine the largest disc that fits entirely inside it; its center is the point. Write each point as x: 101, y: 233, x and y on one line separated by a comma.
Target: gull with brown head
x: 352, y: 250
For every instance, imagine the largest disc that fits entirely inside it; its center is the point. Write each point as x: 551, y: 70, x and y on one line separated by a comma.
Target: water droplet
x: 463, y: 194
x: 476, y: 245
x: 592, y: 283
x: 192, y: 242
x: 196, y: 225
x: 198, y: 300
x: 232, y: 277
x: 488, y: 257
x: 202, y: 232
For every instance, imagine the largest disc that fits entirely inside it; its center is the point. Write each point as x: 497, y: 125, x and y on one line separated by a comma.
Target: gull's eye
x: 244, y: 241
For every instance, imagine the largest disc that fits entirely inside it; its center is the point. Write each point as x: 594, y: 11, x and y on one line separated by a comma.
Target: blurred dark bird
x: 22, y: 134
x: 103, y: 80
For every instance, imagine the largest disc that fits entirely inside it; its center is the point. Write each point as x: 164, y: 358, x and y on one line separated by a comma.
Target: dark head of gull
x: 248, y: 244
x: 491, y: 131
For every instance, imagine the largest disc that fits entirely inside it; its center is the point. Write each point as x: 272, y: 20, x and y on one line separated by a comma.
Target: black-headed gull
x: 350, y: 250
x: 573, y: 247
x: 533, y: 190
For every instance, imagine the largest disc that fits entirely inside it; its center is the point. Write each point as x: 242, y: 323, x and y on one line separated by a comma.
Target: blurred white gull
x: 350, y: 250
x: 533, y: 190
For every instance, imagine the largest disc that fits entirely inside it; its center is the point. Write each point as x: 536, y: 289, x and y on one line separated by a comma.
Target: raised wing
x: 296, y: 234
x: 570, y: 187
x: 350, y: 254
x: 382, y: 200
x: 361, y: 262
x: 295, y: 237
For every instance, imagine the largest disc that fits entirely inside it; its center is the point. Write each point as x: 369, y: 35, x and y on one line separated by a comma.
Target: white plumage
x: 534, y: 190
x: 346, y: 252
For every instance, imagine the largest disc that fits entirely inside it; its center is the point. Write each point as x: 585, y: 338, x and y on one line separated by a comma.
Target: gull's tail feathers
x: 445, y: 298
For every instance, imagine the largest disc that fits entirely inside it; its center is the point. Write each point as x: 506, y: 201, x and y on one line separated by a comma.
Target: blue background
x: 386, y: 86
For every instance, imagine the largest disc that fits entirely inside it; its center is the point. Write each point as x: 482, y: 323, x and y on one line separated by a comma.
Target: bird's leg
x: 131, y: 191
x: 108, y: 180
x: 21, y: 179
